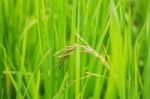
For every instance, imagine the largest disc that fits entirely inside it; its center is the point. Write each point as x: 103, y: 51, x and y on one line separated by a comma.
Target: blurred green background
x: 74, y: 49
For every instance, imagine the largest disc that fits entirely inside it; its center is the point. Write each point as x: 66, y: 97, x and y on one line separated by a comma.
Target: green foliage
x: 72, y: 49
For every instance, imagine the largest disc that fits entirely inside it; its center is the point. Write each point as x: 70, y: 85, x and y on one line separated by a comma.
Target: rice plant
x: 74, y: 49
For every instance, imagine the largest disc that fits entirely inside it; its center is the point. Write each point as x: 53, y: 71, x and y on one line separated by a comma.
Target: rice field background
x: 74, y: 49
